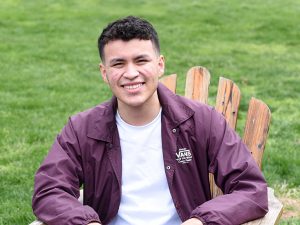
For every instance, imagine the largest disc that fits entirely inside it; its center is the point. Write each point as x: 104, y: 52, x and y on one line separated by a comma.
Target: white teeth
x: 130, y: 87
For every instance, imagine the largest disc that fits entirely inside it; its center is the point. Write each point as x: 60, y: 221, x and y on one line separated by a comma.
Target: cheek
x: 151, y: 71
x: 113, y: 76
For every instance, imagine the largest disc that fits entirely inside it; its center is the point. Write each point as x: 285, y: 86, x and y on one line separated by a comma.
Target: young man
x: 144, y: 156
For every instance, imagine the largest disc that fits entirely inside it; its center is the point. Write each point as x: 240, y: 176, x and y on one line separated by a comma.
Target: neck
x: 140, y: 115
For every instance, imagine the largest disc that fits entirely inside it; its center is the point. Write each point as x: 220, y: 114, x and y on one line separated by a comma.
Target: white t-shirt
x: 145, y: 198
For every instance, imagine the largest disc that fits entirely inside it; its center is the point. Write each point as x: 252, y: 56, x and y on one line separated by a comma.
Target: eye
x: 142, y: 61
x: 117, y: 64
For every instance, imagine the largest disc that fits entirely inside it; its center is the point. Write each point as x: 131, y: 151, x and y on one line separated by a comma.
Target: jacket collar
x: 102, y: 123
x: 174, y: 107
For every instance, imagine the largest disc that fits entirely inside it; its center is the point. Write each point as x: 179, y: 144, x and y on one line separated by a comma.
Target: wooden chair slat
x: 197, y: 84
x: 257, y: 128
x: 227, y: 103
x: 214, y: 189
x: 196, y: 88
x: 228, y: 100
x: 170, y: 82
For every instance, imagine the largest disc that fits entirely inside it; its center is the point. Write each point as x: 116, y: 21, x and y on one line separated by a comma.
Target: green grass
x: 49, y: 71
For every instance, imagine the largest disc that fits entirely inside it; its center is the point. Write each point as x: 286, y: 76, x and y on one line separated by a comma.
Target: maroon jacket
x: 195, y: 139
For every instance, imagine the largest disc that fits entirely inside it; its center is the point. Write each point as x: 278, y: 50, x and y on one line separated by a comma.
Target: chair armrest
x: 274, y: 213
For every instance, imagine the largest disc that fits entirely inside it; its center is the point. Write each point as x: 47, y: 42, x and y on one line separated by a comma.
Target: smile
x: 132, y: 86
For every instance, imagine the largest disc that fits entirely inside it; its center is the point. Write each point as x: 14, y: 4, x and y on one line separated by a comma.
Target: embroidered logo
x: 184, y: 155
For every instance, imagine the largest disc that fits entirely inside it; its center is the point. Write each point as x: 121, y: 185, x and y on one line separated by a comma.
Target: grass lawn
x: 49, y: 71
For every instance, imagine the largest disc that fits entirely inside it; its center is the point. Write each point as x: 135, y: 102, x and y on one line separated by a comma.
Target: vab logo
x: 184, y: 155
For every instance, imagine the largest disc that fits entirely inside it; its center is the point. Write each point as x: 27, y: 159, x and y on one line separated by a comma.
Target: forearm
x: 234, y: 208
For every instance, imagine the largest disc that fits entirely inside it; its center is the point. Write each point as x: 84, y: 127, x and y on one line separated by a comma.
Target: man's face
x: 131, y: 69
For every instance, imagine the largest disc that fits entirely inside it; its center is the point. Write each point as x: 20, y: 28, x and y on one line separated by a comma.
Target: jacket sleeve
x: 57, y: 184
x: 237, y: 174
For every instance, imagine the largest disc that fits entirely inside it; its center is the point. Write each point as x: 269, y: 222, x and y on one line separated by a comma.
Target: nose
x: 131, y: 71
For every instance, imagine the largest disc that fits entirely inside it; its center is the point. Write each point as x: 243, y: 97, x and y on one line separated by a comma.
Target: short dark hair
x: 126, y: 29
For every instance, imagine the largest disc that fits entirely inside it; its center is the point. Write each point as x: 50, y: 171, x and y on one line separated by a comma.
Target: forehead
x: 131, y: 48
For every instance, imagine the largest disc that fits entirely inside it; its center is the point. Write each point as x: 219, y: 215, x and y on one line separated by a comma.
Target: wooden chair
x: 227, y: 103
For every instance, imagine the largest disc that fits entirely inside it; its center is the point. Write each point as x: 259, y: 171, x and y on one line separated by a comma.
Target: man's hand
x: 192, y: 221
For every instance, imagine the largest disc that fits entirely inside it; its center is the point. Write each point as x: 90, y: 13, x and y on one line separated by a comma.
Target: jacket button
x: 174, y: 130
x: 168, y: 167
x: 109, y: 145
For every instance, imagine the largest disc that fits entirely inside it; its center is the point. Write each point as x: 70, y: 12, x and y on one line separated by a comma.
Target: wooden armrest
x: 274, y: 213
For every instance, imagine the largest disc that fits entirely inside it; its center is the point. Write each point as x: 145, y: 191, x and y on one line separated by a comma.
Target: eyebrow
x: 141, y: 57
x: 116, y: 60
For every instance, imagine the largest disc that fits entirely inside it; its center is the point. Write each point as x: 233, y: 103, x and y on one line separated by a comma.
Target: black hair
x: 126, y: 29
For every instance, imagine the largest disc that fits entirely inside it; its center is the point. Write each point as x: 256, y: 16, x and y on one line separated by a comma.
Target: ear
x: 161, y: 65
x: 103, y: 72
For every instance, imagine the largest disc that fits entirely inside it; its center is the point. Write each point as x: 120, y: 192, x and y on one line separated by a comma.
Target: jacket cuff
x: 91, y: 219
x: 199, y: 218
